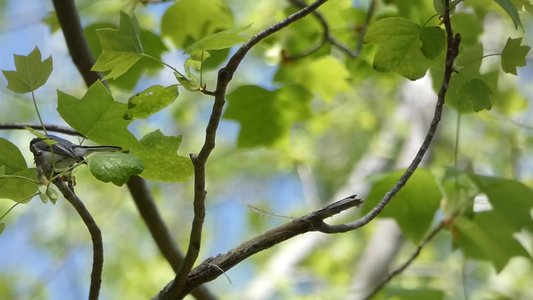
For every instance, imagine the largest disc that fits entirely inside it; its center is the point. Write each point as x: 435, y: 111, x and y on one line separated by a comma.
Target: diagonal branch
x: 224, y: 77
x: 451, y: 53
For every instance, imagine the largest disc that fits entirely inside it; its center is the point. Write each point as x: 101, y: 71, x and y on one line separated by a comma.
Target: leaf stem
x: 38, y: 113
x: 10, y: 209
x: 162, y: 62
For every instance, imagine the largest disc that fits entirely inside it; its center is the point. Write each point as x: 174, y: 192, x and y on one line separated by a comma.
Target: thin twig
x: 451, y: 53
x: 224, y: 77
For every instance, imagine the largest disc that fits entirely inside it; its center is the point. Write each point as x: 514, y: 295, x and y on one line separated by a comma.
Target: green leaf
x: 439, y: 6
x: 325, y: 76
x: 433, y: 41
x: 121, y: 48
x: 159, y: 154
x: 150, y: 101
x: 400, y: 47
x: 475, y: 94
x: 115, y: 167
x: 195, y: 19
x: 216, y: 41
x: 254, y: 107
x: 413, y: 294
x: 511, y: 10
x: 97, y: 116
x: 2, y: 227
x: 11, y: 157
x: 418, y: 200
x: 30, y: 72
x: 19, y: 186
x: 514, y: 55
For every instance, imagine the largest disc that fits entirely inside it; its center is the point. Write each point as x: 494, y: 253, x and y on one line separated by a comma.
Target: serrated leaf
x: 514, y: 55
x: 121, y: 48
x: 399, y: 47
x: 511, y: 10
x: 150, y: 101
x: 433, y: 41
x: 97, y: 116
x: 217, y: 41
x: 325, y: 76
x: 475, y: 95
x: 19, y: 186
x: 30, y: 72
x: 418, y: 200
x: 253, y: 107
x: 115, y: 167
x: 159, y: 154
x: 195, y: 19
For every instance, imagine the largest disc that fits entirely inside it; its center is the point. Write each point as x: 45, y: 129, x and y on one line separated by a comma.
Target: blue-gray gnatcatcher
x: 54, y: 155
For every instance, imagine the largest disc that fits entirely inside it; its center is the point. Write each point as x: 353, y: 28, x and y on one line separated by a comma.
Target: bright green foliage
x: 159, y: 154
x: 266, y: 117
x: 216, y: 41
x: 475, y: 95
x: 511, y: 10
x: 325, y: 76
x: 488, y: 235
x: 121, y: 48
x: 403, y: 46
x: 17, y: 182
x: 411, y: 294
x: 514, y: 55
x: 195, y: 19
x: 30, y: 72
x: 151, y: 46
x: 418, y: 200
x: 97, y: 116
x: 150, y: 101
x: 115, y: 167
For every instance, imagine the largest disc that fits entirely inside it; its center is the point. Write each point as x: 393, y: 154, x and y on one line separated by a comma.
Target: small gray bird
x: 62, y: 154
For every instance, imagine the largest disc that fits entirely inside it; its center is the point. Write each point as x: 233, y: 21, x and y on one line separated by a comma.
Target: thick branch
x: 451, y: 54
x: 224, y: 77
x: 215, y: 266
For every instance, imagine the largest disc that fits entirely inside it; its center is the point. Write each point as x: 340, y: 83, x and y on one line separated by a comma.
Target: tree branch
x: 224, y: 77
x: 49, y: 127
x: 451, y: 53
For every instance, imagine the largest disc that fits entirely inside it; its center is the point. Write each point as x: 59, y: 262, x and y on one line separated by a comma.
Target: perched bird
x: 54, y: 155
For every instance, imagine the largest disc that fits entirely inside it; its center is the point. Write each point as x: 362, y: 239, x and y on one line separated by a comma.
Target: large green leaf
x: 325, y: 76
x: 30, y: 72
x: 195, y: 19
x: 159, y: 154
x: 475, y: 95
x: 17, y: 182
x: 97, y: 116
x: 220, y: 40
x: 150, y: 101
x: 11, y: 157
x: 266, y: 117
x: 413, y: 207
x: 404, y: 47
x: 121, y: 47
x: 514, y: 55
x: 115, y: 167
x: 511, y: 10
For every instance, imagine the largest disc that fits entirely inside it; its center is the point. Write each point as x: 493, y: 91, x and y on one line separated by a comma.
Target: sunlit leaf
x: 115, y: 167
x: 220, y: 40
x: 30, y: 72
x: 150, y: 101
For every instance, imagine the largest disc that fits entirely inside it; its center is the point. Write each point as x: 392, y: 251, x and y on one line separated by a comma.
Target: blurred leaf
x: 195, y: 19
x: 475, y: 95
x: 115, y: 167
x: 433, y: 41
x: 514, y: 55
x: 150, y: 101
x: 97, y: 116
x: 30, y: 72
x: 121, y: 48
x: 11, y: 157
x: 439, y: 6
x: 400, y: 45
x: 511, y: 10
x: 325, y: 76
x: 19, y: 186
x: 159, y: 154
x: 413, y: 294
x: 413, y: 207
x: 2, y: 227
x: 266, y: 117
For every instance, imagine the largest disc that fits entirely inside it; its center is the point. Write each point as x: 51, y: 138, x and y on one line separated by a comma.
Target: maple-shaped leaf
x: 514, y: 55
x: 97, y: 116
x: 30, y: 72
x: 121, y: 48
